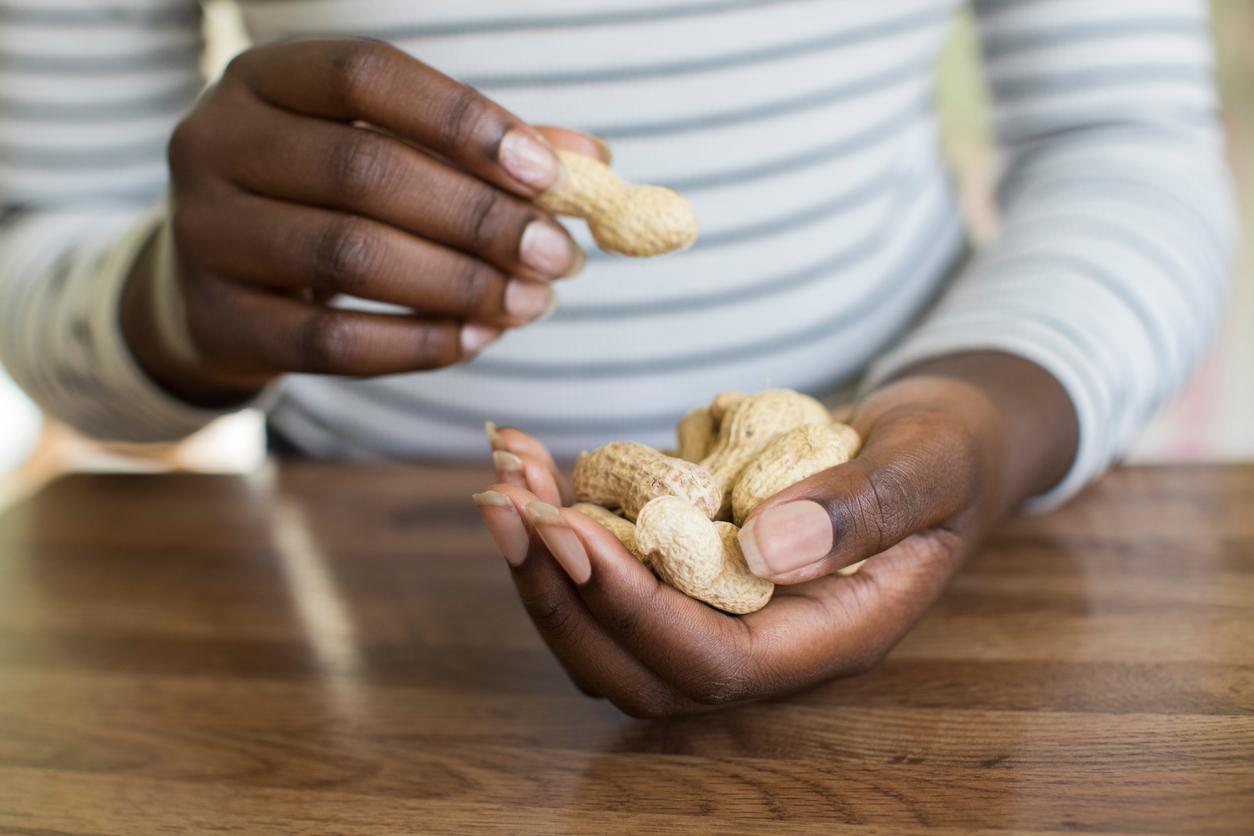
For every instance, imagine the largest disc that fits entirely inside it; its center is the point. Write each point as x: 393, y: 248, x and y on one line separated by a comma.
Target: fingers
x: 653, y: 651
x: 706, y: 655
x: 526, y: 472
x: 544, y: 477
x: 622, y: 634
x: 585, y: 648
x: 358, y: 80
x: 510, y: 469
x: 917, y: 469
x: 287, y: 246
x: 834, y: 626
x: 377, y: 176
x: 274, y: 334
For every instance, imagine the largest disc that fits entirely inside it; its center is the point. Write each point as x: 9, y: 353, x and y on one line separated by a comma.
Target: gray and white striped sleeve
x: 90, y: 91
x: 1118, y: 228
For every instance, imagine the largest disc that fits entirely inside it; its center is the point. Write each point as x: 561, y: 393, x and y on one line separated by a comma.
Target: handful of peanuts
x: 679, y: 515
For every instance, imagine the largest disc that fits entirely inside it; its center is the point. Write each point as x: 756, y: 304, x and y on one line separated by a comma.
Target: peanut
x: 698, y: 430
x: 701, y: 559
x: 696, y: 433
x: 623, y: 529
x: 792, y: 456
x: 750, y: 425
x: 623, y: 218
x: 723, y: 403
x: 751, y: 447
x: 626, y: 475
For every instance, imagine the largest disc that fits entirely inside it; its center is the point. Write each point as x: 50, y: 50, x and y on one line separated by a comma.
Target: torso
x: 801, y: 131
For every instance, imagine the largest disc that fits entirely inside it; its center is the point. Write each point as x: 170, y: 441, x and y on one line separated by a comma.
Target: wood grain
x: 329, y: 649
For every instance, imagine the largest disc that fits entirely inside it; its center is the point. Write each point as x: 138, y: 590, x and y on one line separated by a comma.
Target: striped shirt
x: 804, y: 134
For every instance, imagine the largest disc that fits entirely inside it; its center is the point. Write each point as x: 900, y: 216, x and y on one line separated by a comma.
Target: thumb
x: 911, y: 475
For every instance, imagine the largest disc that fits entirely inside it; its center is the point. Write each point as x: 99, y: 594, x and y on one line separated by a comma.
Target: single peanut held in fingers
x: 792, y: 456
x: 749, y: 425
x: 623, y: 218
x: 627, y: 475
x: 701, y: 559
x: 624, y: 530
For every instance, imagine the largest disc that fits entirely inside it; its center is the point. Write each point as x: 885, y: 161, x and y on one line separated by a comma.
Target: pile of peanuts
x: 679, y: 515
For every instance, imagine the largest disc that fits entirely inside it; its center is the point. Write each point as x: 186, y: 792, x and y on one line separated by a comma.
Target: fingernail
x: 552, y: 309
x: 607, y: 154
x: 527, y: 300
x: 546, y: 249
x: 786, y: 537
x: 562, y: 541
x: 494, y: 435
x: 506, y: 462
x: 504, y: 524
x: 475, y: 337
x: 529, y: 161
x: 581, y: 261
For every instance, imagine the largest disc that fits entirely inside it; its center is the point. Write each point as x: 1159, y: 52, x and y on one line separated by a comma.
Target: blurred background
x: 1210, y: 421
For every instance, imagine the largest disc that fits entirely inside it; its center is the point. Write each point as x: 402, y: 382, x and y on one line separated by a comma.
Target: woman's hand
x: 948, y: 450
x: 321, y: 167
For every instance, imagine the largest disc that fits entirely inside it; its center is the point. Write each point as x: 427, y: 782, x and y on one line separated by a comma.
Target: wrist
x: 167, y: 359
x: 1028, y: 413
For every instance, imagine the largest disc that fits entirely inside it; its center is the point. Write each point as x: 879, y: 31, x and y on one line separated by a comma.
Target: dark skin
x: 322, y: 167
x: 346, y: 166
x: 951, y: 447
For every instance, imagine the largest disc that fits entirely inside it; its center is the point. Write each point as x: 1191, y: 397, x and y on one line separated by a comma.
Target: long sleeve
x: 1117, y: 232
x: 90, y: 91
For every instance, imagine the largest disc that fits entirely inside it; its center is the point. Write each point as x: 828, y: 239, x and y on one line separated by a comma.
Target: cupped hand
x: 943, y: 460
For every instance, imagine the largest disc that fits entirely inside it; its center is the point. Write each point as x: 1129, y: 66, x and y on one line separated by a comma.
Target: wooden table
x: 326, y: 649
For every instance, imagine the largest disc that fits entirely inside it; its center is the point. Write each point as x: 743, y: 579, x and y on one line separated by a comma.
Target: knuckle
x: 461, y: 118
x: 874, y: 509
x: 358, y: 166
x: 434, y: 347
x: 345, y: 254
x: 356, y: 68
x: 471, y: 286
x: 483, y: 217
x: 551, y: 614
x: 895, y: 499
x: 326, y: 342
x: 721, y: 678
